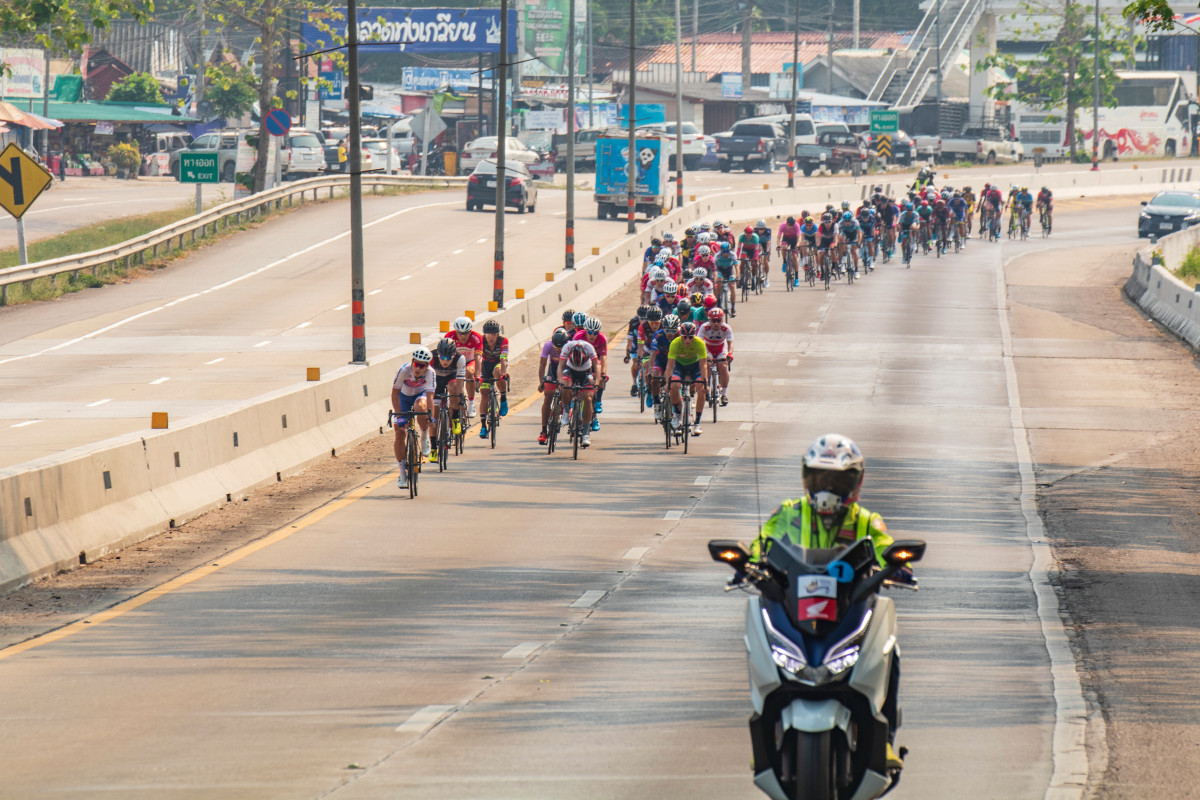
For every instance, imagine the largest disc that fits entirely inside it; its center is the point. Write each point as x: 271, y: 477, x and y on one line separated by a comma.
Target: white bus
x: 1154, y: 117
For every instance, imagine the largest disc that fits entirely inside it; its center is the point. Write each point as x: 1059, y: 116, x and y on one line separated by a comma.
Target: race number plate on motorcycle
x: 817, y: 586
x: 813, y: 608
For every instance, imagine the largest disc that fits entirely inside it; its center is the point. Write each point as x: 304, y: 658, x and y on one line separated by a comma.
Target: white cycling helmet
x: 700, y: 272
x: 666, y: 252
x: 703, y: 250
x: 422, y: 355
x: 592, y: 325
x: 832, y: 470
x: 463, y: 324
x: 670, y: 287
x: 668, y: 237
x: 658, y: 274
x: 762, y: 223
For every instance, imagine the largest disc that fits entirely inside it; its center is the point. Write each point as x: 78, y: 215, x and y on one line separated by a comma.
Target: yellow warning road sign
x: 883, y: 145
x: 21, y: 180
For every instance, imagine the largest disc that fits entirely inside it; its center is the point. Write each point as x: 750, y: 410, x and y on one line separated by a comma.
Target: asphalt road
x: 534, y: 627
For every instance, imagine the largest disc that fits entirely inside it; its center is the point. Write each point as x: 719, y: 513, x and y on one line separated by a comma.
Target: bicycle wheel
x: 444, y: 440
x: 744, y: 285
x: 666, y: 421
x: 576, y: 426
x: 687, y: 418
x: 493, y: 422
x: 413, y: 464
x: 810, y: 271
x: 827, y: 270
x: 553, y: 423
x: 713, y: 388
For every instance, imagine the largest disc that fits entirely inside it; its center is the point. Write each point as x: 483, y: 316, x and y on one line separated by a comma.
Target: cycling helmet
x: 845, y: 205
x: 827, y: 217
x: 690, y: 232
x: 808, y: 219
x: 668, y: 237
x: 710, y: 301
x: 491, y: 326
x: 578, y: 358
x: 832, y: 471
x: 762, y: 223
x: 579, y: 318
x: 670, y: 287
x: 1024, y: 188
x: 829, y: 206
x: 1014, y: 187
x: 924, y: 204
x: 696, y: 299
x: 671, y: 322
x: 847, y: 216
x: 560, y: 337
x: 463, y: 325
x: 684, y: 309
x: 656, y: 243
x: 1046, y: 189
x: 687, y: 329
x: 660, y: 259
x: 666, y: 252
x: 791, y: 220
x: 987, y: 186
x: 718, y: 224
x: 592, y: 325
x: 749, y: 229
x: 908, y: 206
x: 654, y: 314
x: 716, y: 315
x: 422, y: 355
x: 568, y: 314
x: 966, y: 188
x: 688, y: 274
x: 958, y: 194
x: 700, y: 273
x: 704, y: 250
x: 725, y: 247
x: 446, y: 349
x: 804, y: 214
x: 705, y: 227
x: 658, y: 274
x: 641, y: 312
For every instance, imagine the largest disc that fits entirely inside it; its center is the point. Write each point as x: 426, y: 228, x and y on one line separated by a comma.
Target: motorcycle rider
x: 832, y: 471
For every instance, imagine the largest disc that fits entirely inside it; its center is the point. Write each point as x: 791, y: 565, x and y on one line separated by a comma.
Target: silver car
x: 303, y: 155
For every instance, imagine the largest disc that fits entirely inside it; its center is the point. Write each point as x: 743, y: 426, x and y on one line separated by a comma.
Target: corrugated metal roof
x: 769, y: 51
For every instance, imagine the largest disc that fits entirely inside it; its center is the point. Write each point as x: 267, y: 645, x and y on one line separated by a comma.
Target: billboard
x: 23, y: 74
x: 416, y: 30
x: 548, y: 33
x: 430, y: 79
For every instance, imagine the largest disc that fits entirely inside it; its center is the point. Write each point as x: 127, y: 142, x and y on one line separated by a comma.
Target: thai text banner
x: 415, y: 30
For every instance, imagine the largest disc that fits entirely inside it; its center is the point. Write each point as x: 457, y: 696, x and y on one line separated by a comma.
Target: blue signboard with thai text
x: 415, y: 30
x: 430, y: 79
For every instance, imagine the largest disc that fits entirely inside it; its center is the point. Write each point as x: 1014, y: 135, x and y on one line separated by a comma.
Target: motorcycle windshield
x: 818, y: 582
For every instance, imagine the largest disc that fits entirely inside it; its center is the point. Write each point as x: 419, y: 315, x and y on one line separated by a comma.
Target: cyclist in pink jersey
x: 470, y: 347
x: 592, y: 335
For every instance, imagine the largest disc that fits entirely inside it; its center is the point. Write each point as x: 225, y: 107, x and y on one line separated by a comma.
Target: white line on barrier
x: 157, y: 381
x: 25, y: 424
x: 424, y: 719
x: 99, y: 402
x: 588, y: 599
x: 523, y: 650
x: 214, y: 361
x: 263, y: 343
x: 223, y: 285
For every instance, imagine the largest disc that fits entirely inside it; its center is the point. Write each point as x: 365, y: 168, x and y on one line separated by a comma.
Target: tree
x: 1061, y: 76
x: 229, y: 90
x: 140, y: 87
x: 63, y: 25
x: 1156, y: 15
x: 271, y: 23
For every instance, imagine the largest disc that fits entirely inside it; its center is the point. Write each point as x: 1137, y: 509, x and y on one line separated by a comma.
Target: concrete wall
x: 86, y: 502
x: 1166, y: 298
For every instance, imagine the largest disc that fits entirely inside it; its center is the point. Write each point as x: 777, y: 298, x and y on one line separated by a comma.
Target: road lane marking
x: 702, y: 480
x: 218, y: 287
x: 303, y: 325
x: 762, y: 406
x: 793, y: 362
x: 635, y: 553
x: 523, y: 650
x: 263, y: 343
x: 214, y: 361
x: 25, y: 424
x: 99, y: 402
x: 725, y: 451
x: 157, y: 381
x: 374, y: 292
x: 424, y: 719
x: 674, y: 514
x: 779, y: 382
x: 431, y: 264
x: 93, y: 621
x: 588, y: 599
x: 481, y: 241
x: 342, y: 307
x: 746, y: 426
x: 456, y: 252
x: 406, y: 277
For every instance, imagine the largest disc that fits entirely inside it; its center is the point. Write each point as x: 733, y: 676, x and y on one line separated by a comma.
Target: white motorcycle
x: 821, y: 642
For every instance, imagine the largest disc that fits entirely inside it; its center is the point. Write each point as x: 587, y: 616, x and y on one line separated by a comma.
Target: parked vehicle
x: 695, y: 143
x: 332, y: 164
x: 820, y: 646
x: 905, y: 149
x: 486, y: 147
x: 585, y: 149
x: 303, y: 155
x: 651, y: 192
x: 1168, y: 212
x: 379, y: 152
x: 985, y: 144
x: 752, y: 145
x: 520, y: 192
x: 223, y: 143
x: 834, y: 150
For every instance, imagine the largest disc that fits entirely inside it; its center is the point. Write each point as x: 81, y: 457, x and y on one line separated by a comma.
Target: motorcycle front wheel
x: 815, y: 773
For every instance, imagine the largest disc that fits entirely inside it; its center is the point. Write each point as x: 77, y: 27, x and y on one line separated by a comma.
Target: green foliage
x: 63, y: 25
x: 1190, y: 268
x: 125, y: 154
x: 1156, y: 15
x: 1061, y: 78
x: 140, y: 87
x: 230, y: 91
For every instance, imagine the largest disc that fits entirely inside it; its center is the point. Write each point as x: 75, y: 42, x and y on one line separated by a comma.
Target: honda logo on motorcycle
x: 817, y: 608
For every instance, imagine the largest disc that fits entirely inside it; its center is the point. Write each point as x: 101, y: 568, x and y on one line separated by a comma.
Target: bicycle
x: 789, y: 266
x: 554, y: 421
x: 906, y: 249
x: 826, y: 267
x: 576, y: 428
x: 412, y: 450
x: 684, y: 431
x: 760, y: 273
x: 1024, y: 223
x: 1044, y: 219
x: 492, y: 415
x: 864, y: 256
x: 460, y: 438
x: 663, y: 413
x: 810, y: 268
x: 714, y: 388
x: 441, y: 455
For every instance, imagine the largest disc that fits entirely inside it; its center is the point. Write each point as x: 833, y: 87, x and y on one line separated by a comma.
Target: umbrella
x: 10, y: 113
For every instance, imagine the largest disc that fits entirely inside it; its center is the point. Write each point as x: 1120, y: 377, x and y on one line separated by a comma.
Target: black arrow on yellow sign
x: 22, y: 180
x: 883, y: 145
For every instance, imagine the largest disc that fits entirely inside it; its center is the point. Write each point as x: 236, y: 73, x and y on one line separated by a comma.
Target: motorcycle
x: 820, y: 643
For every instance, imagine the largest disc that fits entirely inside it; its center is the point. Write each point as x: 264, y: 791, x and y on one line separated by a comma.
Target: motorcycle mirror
x: 905, y: 551
x: 729, y: 551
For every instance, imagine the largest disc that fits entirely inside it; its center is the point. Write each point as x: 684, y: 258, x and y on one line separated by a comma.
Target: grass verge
x: 1190, y: 268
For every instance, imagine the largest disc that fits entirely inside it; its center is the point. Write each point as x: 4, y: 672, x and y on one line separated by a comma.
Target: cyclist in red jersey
x: 470, y: 347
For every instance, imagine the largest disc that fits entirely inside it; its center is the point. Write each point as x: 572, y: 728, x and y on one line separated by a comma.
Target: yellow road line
x: 196, y: 574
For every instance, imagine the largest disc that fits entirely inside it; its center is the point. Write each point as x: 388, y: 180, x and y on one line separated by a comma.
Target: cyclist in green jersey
x: 687, y: 361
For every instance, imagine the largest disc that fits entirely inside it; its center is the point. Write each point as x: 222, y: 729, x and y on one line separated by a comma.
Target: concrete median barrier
x: 1164, y: 297
x: 95, y: 499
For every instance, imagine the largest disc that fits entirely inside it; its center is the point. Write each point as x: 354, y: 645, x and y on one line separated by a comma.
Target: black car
x: 521, y: 192
x: 1168, y: 212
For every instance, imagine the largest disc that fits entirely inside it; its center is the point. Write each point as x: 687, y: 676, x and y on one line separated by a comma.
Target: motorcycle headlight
x: 842, y: 661
x: 784, y: 652
x: 844, y: 655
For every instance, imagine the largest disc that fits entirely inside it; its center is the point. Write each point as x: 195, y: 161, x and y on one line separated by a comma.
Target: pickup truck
x: 751, y: 144
x: 585, y: 148
x: 836, y: 150
x: 984, y: 144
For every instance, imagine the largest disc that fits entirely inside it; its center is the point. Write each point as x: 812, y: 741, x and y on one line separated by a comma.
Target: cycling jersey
x: 570, y: 347
x: 941, y: 213
x: 600, y: 343
x: 702, y: 285
x: 924, y: 212
x: 646, y: 335
x: 826, y: 232
x: 725, y: 264
x: 908, y: 219
x: 456, y: 369
x: 849, y: 230
x: 468, y: 347
x: 716, y: 337
x: 1025, y: 199
x: 497, y: 352
x: 412, y: 385
x: 1045, y: 198
x: 667, y: 303
x: 749, y: 244
x: 958, y: 205
x: 809, y: 231
x: 764, y: 236
x: 790, y: 233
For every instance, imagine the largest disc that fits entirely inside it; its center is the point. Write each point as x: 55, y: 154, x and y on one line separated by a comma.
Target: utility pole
x: 46, y: 106
x: 570, y: 254
x: 631, y: 165
x: 938, y: 33
x: 201, y: 61
x: 857, y: 14
x: 1096, y: 93
x: 678, y: 114
x: 795, y: 97
x: 829, y: 50
x: 695, y: 29
x: 591, y: 80
x: 358, y: 314
x: 747, y: 73
x: 501, y: 162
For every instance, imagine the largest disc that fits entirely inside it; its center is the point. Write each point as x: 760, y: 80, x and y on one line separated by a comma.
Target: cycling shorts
x: 688, y: 372
x: 851, y: 237
x: 442, y: 382
x: 549, y: 384
x: 660, y: 363
x: 489, y: 369
x: 717, y: 353
x: 825, y: 244
x: 725, y: 273
x: 578, y: 379
x: 790, y: 241
x: 407, y: 401
x: 810, y: 241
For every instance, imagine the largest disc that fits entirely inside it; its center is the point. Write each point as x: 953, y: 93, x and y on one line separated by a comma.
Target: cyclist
x: 827, y: 235
x: 969, y: 197
x: 449, y: 366
x: 412, y: 390
x: 1010, y: 205
x: 941, y: 223
x: 808, y: 241
x: 1045, y: 203
x: 688, y: 246
x: 631, y: 347
x: 763, y: 232
x: 687, y: 361
x: 652, y: 283
x: 548, y: 375
x: 925, y: 176
x: 848, y: 233
x: 684, y: 309
x: 699, y: 284
x: 925, y: 216
x: 470, y: 345
x: 908, y: 221
x: 646, y: 333
x: 592, y: 335
x: 961, y: 210
x: 718, y: 339
x: 723, y: 233
x: 495, y: 370
x: 747, y: 254
x: 1024, y: 205
x: 889, y: 212
x: 789, y: 239
x: 579, y: 371
x: 670, y: 244
x: 651, y: 253
x: 668, y: 299
x: 868, y: 223
x: 656, y: 356
x: 568, y: 320
x: 723, y: 277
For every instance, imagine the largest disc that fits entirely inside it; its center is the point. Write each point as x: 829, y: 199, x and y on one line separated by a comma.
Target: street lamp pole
x: 570, y: 254
x: 1096, y: 93
x: 631, y: 176
x: 358, y: 313
x: 795, y: 96
x: 678, y: 113
x: 501, y: 75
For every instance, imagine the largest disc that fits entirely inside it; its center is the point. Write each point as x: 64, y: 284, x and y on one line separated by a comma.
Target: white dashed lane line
x: 588, y: 599
x: 157, y: 381
x: 342, y: 307
x: 374, y: 292
x: 25, y: 424
x: 263, y: 343
x: 702, y: 480
x: 424, y: 719
x: 674, y: 514
x: 635, y: 553
x: 523, y: 650
x: 214, y: 361
x: 99, y: 402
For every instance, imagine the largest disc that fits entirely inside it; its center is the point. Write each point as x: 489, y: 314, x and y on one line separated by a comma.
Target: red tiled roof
x: 769, y: 50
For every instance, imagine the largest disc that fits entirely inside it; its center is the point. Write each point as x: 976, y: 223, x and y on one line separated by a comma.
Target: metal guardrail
x: 175, y: 235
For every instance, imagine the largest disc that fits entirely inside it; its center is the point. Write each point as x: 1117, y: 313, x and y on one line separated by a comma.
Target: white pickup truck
x: 984, y: 144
